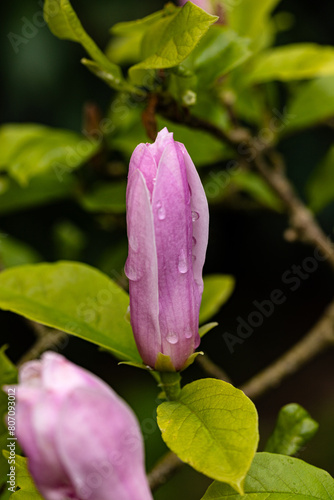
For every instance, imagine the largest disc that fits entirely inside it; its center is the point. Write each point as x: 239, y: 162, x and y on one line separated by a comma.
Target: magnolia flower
x: 203, y: 4
x: 167, y: 223
x: 81, y: 439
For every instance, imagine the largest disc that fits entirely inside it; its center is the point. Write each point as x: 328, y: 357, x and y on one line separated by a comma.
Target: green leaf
x: 217, y: 290
x: 204, y: 329
x: 23, y: 480
x: 14, y: 252
x: 292, y: 62
x: 74, y: 298
x: 40, y: 190
x: 219, y: 51
x: 250, y: 18
x: 108, y: 198
x: 125, y: 47
x: 171, y: 39
x: 64, y: 23
x: 8, y: 376
x: 28, y: 150
x: 312, y: 104
x: 213, y: 428
x: 320, y: 186
x: 258, y: 189
x: 294, y: 427
x: 278, y: 477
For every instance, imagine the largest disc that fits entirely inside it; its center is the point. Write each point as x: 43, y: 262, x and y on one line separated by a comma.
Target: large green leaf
x: 28, y: 150
x: 72, y: 297
x: 40, y: 190
x: 64, y: 23
x: 320, y: 186
x: 312, y: 104
x: 219, y: 51
x: 292, y: 62
x: 294, y: 427
x: 213, y: 428
x: 8, y: 376
x: 250, y: 18
x: 125, y: 48
x: 217, y: 290
x: 171, y: 39
x: 278, y: 477
x: 27, y: 489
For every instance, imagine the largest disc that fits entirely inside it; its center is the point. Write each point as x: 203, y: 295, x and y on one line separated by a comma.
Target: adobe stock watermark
x: 31, y: 27
x: 265, y: 308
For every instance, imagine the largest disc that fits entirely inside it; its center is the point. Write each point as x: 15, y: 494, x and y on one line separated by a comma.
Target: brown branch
x: 302, y: 221
x: 164, y: 470
x: 211, y: 369
x: 319, y: 338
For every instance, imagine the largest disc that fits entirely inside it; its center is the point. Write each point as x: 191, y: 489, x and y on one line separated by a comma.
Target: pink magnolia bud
x: 203, y: 4
x: 82, y: 441
x: 168, y: 224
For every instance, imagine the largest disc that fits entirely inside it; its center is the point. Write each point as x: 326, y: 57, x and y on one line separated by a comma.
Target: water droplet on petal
x: 183, y: 264
x: 194, y: 216
x: 133, y: 242
x: 193, y: 258
x: 172, y: 338
x: 194, y: 241
x: 127, y: 315
x: 188, y: 335
x: 154, y: 180
x: 131, y: 271
x: 161, y: 211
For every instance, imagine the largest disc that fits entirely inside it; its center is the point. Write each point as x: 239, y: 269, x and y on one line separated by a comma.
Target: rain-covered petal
x: 142, y: 270
x: 168, y: 235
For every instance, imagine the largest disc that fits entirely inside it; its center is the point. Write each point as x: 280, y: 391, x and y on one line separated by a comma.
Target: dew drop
x: 188, y: 334
x: 193, y: 257
x: 194, y: 216
x: 172, y: 338
x: 133, y: 242
x: 127, y: 315
x: 154, y: 180
x: 194, y: 241
x: 183, y: 265
x: 131, y: 271
x: 161, y: 211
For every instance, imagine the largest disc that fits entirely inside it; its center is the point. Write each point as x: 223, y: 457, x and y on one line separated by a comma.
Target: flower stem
x: 171, y: 384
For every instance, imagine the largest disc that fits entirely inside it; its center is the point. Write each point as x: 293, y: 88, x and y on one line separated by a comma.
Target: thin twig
x: 302, y: 220
x: 164, y: 470
x: 211, y: 369
x: 47, y: 338
x: 319, y: 338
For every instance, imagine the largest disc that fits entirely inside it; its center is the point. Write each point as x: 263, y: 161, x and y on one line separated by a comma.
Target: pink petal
x: 200, y: 211
x: 173, y: 235
x: 142, y: 270
x: 104, y: 426
x: 142, y: 159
